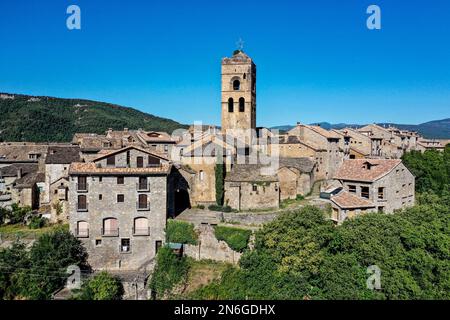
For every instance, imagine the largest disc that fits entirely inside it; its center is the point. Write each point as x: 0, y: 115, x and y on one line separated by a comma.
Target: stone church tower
x: 238, y: 93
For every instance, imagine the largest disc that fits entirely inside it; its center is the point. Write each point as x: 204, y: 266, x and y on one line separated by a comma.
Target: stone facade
x: 118, y: 228
x: 389, y: 189
x: 238, y: 93
x: 210, y: 248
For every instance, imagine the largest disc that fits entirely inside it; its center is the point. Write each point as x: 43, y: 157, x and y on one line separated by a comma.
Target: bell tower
x: 238, y: 93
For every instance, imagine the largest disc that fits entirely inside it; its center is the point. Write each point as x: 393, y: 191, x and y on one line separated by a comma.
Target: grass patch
x: 236, y: 238
x: 181, y: 232
x: 292, y: 202
x: 22, y: 231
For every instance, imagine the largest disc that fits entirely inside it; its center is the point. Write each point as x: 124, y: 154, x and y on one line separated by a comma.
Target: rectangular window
x: 255, y: 187
x: 140, y: 162
x: 380, y: 209
x: 365, y: 192
x: 82, y: 203
x: 120, y: 180
x: 125, y: 245
x: 82, y: 184
x: 153, y: 161
x: 120, y: 198
x: 380, y: 193
x: 111, y: 161
x: 100, y: 197
x: 352, y: 188
x: 100, y: 179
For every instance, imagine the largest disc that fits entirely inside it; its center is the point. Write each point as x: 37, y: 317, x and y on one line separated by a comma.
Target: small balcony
x: 141, y: 231
x: 143, y: 187
x: 143, y: 206
x: 82, y: 187
x: 82, y: 233
x: 110, y: 232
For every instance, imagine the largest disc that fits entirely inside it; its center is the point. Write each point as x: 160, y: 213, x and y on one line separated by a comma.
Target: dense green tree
x: 220, y: 176
x: 102, y: 286
x: 13, y: 260
x: 49, y: 258
x: 170, y: 270
x: 301, y: 255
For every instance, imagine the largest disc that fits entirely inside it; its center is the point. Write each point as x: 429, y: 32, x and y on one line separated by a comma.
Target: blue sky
x: 316, y: 60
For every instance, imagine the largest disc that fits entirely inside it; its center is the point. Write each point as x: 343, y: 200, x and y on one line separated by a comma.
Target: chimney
x: 19, y: 173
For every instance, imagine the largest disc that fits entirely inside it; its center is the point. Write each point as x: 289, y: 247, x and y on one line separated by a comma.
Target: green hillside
x: 42, y: 119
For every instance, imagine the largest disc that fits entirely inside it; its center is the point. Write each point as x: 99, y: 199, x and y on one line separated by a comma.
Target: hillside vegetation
x: 302, y: 255
x: 47, y: 119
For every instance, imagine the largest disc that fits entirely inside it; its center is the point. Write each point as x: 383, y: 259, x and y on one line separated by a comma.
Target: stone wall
x: 210, y: 248
x: 107, y: 255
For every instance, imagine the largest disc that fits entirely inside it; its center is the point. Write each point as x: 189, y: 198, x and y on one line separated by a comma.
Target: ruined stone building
x: 118, y: 206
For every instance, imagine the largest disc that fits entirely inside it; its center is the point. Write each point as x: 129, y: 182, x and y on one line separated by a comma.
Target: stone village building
x: 118, y: 207
x: 382, y: 185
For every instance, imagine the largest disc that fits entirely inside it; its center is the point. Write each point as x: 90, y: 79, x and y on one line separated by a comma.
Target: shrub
x: 102, y: 286
x: 37, y: 222
x: 237, y: 239
x: 180, y: 232
x: 170, y: 270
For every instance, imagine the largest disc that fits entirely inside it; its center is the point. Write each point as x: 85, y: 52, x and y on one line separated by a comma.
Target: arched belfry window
x: 230, y: 105
x: 241, y: 104
x: 236, y: 85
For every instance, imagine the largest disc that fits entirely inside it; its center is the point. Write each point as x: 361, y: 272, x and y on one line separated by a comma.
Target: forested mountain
x: 437, y: 129
x: 42, y: 119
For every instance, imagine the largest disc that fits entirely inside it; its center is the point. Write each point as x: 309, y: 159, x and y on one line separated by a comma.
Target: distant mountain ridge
x: 436, y: 129
x: 49, y: 119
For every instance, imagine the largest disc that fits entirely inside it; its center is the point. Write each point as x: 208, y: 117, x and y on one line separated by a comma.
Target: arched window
x: 110, y: 227
x: 82, y: 229
x: 241, y: 104
x: 236, y: 85
x: 140, y: 227
x: 230, y: 105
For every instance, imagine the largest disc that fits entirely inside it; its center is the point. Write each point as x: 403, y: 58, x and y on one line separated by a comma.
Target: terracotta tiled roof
x: 105, y: 155
x: 365, y: 169
x: 296, y: 140
x: 155, y: 137
x: 92, y: 168
x: 327, y: 134
x: 347, y: 200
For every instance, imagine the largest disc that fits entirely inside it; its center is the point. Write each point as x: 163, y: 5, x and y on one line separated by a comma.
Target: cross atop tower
x: 240, y: 44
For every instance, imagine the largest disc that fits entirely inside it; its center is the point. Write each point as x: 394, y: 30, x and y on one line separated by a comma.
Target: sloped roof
x: 347, y: 200
x: 249, y: 173
x: 296, y: 140
x: 62, y: 155
x: 367, y: 170
x: 323, y: 132
x: 11, y: 170
x: 92, y: 168
x: 103, y: 156
x: 28, y: 180
x: 17, y: 152
x: 303, y: 164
